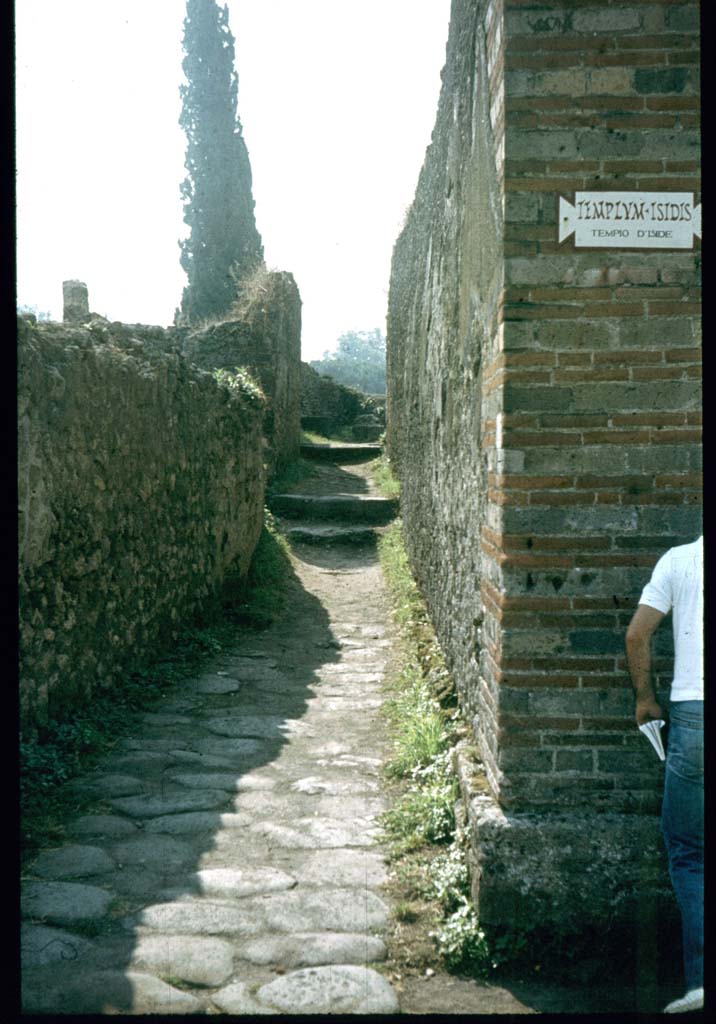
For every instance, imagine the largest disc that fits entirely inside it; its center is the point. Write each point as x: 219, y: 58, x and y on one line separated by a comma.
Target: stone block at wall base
x: 566, y: 874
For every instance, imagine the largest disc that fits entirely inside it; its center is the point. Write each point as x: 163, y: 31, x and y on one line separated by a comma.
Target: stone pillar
x: 75, y: 301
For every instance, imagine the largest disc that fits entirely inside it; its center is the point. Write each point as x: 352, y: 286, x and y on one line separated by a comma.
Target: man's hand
x: 647, y: 710
x: 638, y: 648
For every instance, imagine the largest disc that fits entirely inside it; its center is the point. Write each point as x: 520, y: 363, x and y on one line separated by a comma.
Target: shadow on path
x: 152, y: 873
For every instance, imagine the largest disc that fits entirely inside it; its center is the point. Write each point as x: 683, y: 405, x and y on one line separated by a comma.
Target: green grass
x: 342, y: 434
x: 406, y: 910
x: 408, y: 606
x: 75, y: 740
x: 311, y: 437
x: 420, y: 730
x: 387, y: 483
x: 424, y: 814
x: 426, y: 848
x: 258, y: 599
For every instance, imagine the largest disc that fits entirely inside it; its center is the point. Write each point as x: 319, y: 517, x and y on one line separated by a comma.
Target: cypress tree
x: 223, y: 246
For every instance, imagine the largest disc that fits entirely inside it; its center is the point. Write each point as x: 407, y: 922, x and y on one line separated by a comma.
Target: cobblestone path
x: 230, y: 862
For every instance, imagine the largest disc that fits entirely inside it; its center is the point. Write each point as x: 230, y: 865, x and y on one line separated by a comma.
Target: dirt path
x: 231, y: 861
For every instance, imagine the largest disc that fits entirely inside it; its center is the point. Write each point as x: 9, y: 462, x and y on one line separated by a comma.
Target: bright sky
x: 337, y: 99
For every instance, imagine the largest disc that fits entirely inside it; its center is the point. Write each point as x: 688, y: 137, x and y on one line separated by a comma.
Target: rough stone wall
x: 445, y: 289
x: 141, y: 481
x: 539, y: 489
x: 266, y: 339
x: 327, y: 405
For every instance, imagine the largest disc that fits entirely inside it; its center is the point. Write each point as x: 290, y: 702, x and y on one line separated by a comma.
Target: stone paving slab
x: 196, y: 823
x: 199, y: 760
x: 157, y: 718
x: 139, y: 885
x: 230, y: 782
x: 227, y: 850
x: 155, y: 850
x: 257, y: 726
x: 335, y: 702
x: 314, y: 784
x: 237, y: 749
x: 312, y: 949
x: 350, y: 761
x: 197, y: 960
x: 148, y: 744
x: 286, y: 688
x: 313, y: 834
x: 153, y: 806
x: 139, y: 760
x: 250, y: 662
x: 343, y: 867
x: 216, y: 684
x: 236, y: 999
x: 239, y: 882
x: 195, y: 917
x: 41, y: 945
x: 108, y: 785
x: 334, y: 989
x: 64, y: 903
x: 105, y: 992
x: 73, y: 861
x: 347, y: 910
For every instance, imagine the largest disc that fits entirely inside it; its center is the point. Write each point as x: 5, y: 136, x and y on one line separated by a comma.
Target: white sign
x: 633, y: 220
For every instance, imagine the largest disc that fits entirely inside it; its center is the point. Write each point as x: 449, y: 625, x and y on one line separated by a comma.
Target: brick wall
x: 594, y: 451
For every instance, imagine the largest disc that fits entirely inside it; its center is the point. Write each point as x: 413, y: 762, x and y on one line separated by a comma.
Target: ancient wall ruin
x: 544, y: 415
x: 141, y: 481
x: 327, y: 406
x: 265, y: 338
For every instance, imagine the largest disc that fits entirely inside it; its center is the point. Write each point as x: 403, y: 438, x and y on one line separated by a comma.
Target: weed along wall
x: 141, y: 481
x: 544, y: 420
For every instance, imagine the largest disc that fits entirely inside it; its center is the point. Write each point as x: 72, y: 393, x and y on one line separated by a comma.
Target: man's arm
x: 638, y: 649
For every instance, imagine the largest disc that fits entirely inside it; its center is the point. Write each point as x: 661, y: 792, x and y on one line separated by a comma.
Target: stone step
x: 321, y: 534
x: 340, y: 452
x: 350, y: 508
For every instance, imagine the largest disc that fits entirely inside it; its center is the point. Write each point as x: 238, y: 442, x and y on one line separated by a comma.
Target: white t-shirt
x: 677, y: 584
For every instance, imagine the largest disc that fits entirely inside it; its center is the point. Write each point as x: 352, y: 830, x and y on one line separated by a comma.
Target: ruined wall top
x: 75, y: 300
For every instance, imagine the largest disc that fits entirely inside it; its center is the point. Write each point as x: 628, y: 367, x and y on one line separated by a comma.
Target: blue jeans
x: 682, y: 822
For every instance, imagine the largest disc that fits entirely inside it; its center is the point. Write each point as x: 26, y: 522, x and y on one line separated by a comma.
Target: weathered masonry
x: 141, y: 481
x: 544, y: 419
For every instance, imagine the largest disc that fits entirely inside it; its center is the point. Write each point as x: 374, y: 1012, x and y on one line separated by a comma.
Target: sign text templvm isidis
x: 633, y: 220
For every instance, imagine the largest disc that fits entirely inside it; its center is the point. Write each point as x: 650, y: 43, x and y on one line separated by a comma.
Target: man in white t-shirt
x: 676, y: 586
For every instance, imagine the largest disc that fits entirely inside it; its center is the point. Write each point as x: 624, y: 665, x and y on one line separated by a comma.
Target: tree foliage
x: 223, y: 245
x: 359, y: 361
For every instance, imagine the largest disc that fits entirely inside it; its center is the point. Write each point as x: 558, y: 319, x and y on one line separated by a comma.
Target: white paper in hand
x: 652, y: 731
